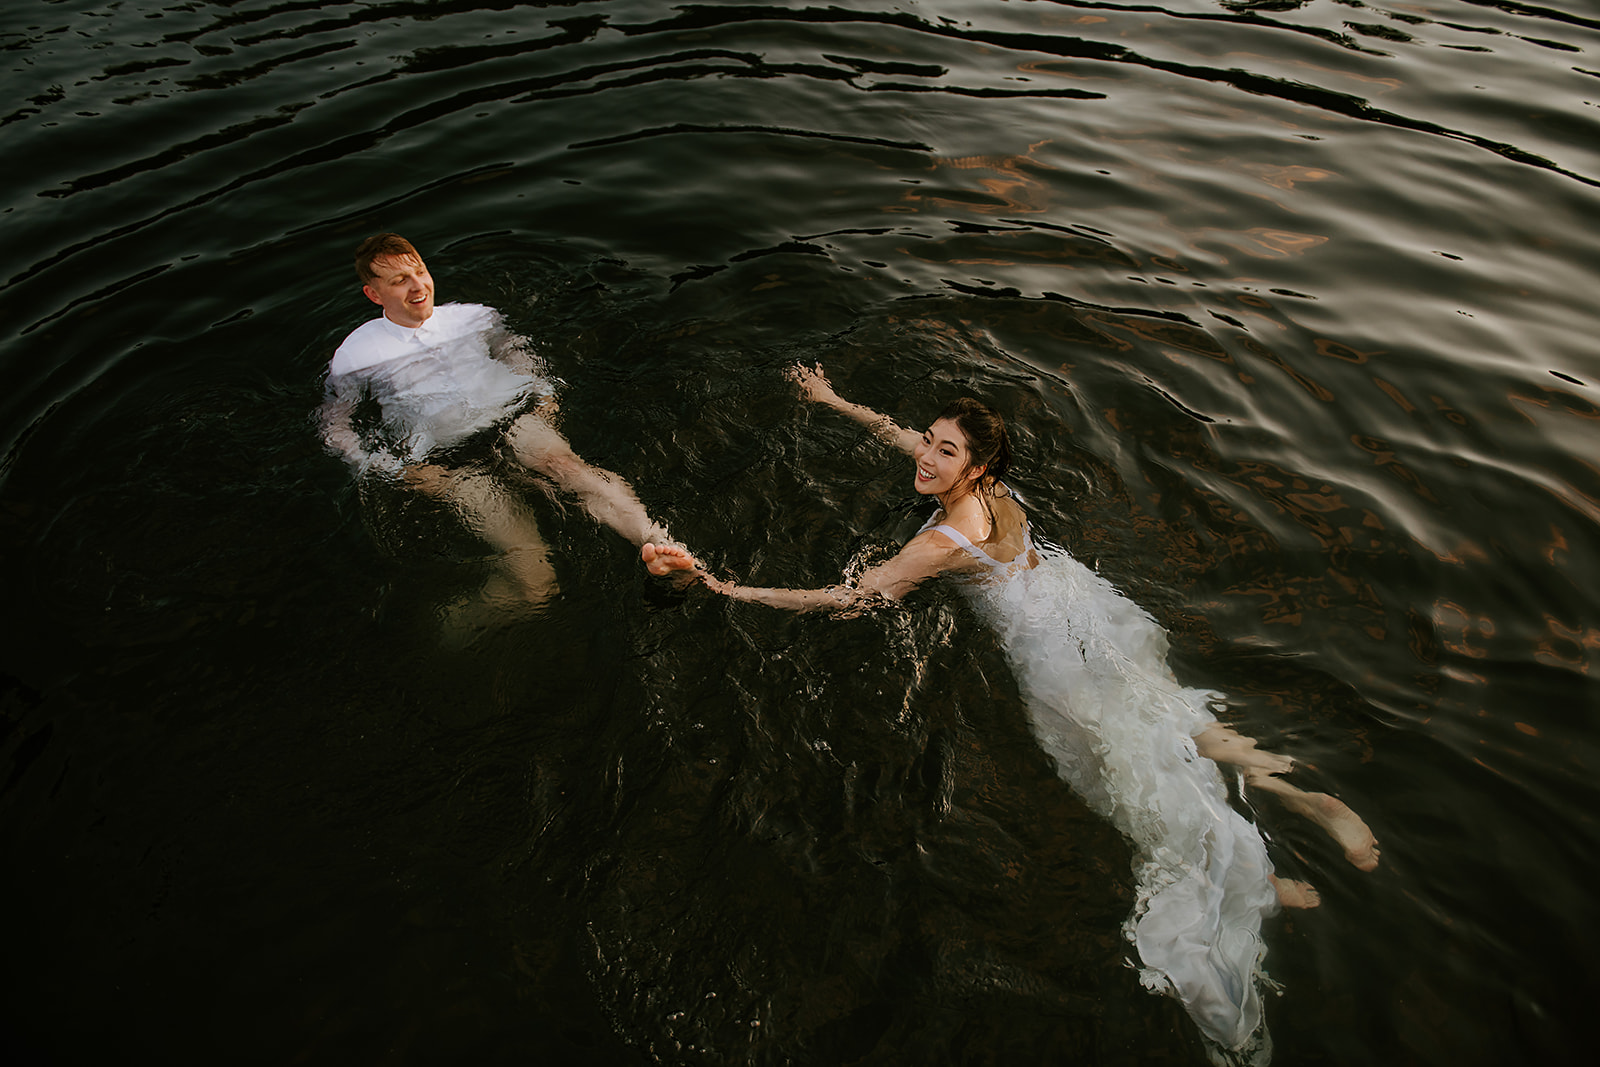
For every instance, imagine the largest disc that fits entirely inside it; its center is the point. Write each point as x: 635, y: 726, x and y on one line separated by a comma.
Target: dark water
x: 1289, y: 303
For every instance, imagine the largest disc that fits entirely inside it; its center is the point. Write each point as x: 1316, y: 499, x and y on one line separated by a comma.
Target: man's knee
x: 559, y: 463
x: 431, y: 479
x: 537, y: 444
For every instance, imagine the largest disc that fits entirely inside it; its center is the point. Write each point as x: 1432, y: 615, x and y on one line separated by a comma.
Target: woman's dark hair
x: 988, y: 443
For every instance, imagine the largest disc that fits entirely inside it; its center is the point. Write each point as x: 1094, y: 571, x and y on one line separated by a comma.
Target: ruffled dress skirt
x: 1092, y: 666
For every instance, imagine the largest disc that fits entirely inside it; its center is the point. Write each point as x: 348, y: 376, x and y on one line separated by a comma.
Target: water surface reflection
x: 1288, y: 303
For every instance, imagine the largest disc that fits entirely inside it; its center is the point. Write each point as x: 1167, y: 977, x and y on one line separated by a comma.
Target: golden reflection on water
x: 1383, y: 455
x: 1560, y: 400
x: 1449, y: 412
x: 1305, y: 381
x: 1393, y: 393
x: 1462, y: 631
x: 1566, y: 646
x: 1171, y: 334
x: 1339, y: 350
x: 1287, y: 176
x: 1016, y: 190
x: 1264, y: 242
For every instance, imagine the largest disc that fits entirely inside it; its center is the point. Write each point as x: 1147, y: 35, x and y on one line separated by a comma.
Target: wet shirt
x: 435, y: 385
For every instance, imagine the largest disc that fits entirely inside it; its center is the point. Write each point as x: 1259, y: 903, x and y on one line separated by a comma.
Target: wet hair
x: 988, y: 443
x: 376, y: 247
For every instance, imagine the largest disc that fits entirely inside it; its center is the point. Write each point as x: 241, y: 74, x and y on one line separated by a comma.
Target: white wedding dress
x: 1092, y: 667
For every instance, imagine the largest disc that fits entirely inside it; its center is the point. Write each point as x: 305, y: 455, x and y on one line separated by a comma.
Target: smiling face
x: 402, y: 286
x: 943, y: 460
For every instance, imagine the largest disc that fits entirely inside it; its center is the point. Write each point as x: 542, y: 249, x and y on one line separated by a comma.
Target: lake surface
x: 1289, y: 303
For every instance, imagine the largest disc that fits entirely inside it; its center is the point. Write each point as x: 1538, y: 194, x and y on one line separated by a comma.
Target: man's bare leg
x: 523, y: 575
x: 1223, y: 744
x: 612, y: 501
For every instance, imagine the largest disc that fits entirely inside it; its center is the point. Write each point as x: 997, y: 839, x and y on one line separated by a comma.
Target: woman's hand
x: 717, y: 585
x: 813, y: 384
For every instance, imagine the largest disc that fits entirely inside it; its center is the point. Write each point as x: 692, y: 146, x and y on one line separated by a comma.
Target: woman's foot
x: 1345, y: 827
x: 1293, y: 894
x: 1224, y: 744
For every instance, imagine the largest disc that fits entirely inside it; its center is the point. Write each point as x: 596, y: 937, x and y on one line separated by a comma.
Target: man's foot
x: 666, y: 559
x: 1293, y: 894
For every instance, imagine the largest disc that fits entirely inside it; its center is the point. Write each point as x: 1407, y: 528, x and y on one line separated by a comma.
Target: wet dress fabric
x: 1092, y: 667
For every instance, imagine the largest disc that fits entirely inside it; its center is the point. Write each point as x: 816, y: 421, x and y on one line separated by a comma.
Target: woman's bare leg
x: 1223, y: 744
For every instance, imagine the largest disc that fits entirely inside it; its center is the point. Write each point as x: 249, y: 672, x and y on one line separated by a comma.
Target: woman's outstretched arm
x: 814, y: 385
x: 928, y: 554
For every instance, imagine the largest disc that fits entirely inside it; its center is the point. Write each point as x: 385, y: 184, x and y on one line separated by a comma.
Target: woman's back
x: 1008, y: 537
x: 1007, y: 547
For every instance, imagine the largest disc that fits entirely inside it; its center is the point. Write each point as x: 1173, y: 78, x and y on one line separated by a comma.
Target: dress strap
x: 955, y: 535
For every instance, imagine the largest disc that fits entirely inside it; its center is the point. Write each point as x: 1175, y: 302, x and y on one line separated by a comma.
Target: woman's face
x: 942, y: 458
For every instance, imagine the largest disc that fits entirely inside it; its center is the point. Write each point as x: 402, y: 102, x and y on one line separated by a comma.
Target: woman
x: 1125, y: 735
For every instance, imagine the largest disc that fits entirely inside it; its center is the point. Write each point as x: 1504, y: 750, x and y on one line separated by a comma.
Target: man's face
x: 403, y: 288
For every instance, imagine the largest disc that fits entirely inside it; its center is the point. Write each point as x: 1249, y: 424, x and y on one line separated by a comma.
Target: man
x: 441, y: 377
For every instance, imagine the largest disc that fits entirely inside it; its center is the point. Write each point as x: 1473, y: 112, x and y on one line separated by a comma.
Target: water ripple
x: 1289, y: 305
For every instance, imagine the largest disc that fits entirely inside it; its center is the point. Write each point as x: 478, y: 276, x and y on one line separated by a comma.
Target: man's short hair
x: 376, y: 247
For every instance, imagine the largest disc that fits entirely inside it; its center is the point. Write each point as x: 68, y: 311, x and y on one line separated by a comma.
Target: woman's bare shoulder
x: 972, y: 518
x: 933, y: 541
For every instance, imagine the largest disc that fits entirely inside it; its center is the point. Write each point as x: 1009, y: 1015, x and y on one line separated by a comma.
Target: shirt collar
x: 406, y: 333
